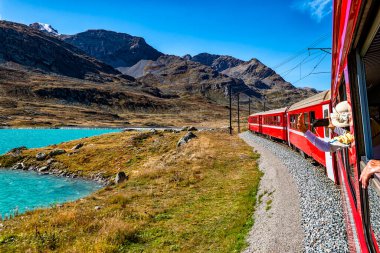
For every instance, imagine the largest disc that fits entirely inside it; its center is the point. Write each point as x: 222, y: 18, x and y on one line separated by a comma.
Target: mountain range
x: 109, y: 75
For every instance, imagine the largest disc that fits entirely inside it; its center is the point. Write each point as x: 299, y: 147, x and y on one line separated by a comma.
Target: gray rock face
x: 185, y: 139
x: 121, y: 177
x: 57, y: 152
x: 115, y: 49
x: 174, y: 74
x: 217, y: 62
x: 41, y: 156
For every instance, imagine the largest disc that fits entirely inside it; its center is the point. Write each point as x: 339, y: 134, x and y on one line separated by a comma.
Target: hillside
x: 196, y: 198
x: 31, y: 48
x: 115, y: 49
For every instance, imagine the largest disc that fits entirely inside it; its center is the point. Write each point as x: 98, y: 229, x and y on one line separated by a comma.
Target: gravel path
x: 319, y: 207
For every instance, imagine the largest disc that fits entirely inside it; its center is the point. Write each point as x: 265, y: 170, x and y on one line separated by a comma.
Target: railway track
x: 318, y: 204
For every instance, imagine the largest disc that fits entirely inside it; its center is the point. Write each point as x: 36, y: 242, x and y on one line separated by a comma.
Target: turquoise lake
x: 26, y: 190
x: 36, y: 138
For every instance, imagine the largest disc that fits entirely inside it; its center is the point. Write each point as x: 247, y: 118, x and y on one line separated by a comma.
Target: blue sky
x: 274, y: 31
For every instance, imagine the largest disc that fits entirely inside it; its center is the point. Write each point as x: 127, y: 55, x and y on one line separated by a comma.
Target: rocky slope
x: 30, y: 48
x: 181, y: 76
x: 217, y: 62
x: 115, y: 49
x: 274, y: 89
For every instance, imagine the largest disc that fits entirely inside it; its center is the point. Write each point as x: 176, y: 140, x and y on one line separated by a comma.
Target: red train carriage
x: 271, y: 123
x: 315, y: 107
x: 356, y: 78
x: 253, y: 123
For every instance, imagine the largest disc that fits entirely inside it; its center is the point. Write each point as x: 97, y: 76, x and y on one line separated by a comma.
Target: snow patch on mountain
x: 45, y: 28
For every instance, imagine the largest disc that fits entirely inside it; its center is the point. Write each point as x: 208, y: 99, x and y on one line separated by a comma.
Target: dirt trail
x: 277, y: 225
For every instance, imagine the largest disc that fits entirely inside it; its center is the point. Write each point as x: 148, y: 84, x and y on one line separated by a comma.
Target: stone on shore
x: 55, y: 152
x: 41, y: 156
x: 43, y: 168
x: 121, y: 177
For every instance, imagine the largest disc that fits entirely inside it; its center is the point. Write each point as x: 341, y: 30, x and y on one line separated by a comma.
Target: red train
x: 355, y: 79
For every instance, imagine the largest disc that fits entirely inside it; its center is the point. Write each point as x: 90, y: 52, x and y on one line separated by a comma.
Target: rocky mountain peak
x: 113, y: 48
x: 215, y: 61
x: 46, y: 28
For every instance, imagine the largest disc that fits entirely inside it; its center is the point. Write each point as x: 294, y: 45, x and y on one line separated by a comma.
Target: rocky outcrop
x: 115, y: 49
x: 121, y: 177
x: 216, y: 62
x: 185, y: 139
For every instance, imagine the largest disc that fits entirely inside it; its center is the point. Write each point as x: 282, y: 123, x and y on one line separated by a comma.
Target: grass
x: 268, y: 205
x: 196, y: 198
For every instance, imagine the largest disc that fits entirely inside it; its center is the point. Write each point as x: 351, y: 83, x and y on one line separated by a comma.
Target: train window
x: 326, y: 115
x: 293, y: 124
x: 307, y: 122
x: 312, y: 118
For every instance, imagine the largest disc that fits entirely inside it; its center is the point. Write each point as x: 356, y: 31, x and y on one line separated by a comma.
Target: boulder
x: 43, y: 168
x: 121, y: 177
x: 192, y: 128
x: 18, y: 166
x: 55, y: 152
x: 185, y: 139
x: 41, y: 156
x: 78, y: 146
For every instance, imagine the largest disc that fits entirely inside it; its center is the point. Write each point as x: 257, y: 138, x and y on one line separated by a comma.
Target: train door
x: 260, y: 124
x: 327, y: 137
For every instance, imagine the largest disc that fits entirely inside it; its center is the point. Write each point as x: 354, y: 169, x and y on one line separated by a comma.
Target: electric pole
x: 238, y: 111
x: 230, y: 97
x: 265, y: 98
x: 249, y: 106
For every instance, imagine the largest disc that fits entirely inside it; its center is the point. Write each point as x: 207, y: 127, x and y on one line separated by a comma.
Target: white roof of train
x: 270, y: 112
x: 314, y: 100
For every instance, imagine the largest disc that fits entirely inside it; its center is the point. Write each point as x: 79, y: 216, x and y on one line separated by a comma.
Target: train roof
x: 274, y: 111
x: 314, y: 100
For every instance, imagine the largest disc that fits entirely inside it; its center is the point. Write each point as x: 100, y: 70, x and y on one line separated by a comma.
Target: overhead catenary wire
x: 312, y: 71
x: 302, y: 51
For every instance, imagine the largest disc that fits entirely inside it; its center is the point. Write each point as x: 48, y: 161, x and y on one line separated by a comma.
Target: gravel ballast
x: 320, y: 204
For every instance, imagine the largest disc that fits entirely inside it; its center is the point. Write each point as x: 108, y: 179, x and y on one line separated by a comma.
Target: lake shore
x: 204, y: 190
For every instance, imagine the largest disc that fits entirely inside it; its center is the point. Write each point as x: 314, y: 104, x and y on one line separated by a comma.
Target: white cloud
x: 318, y: 9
